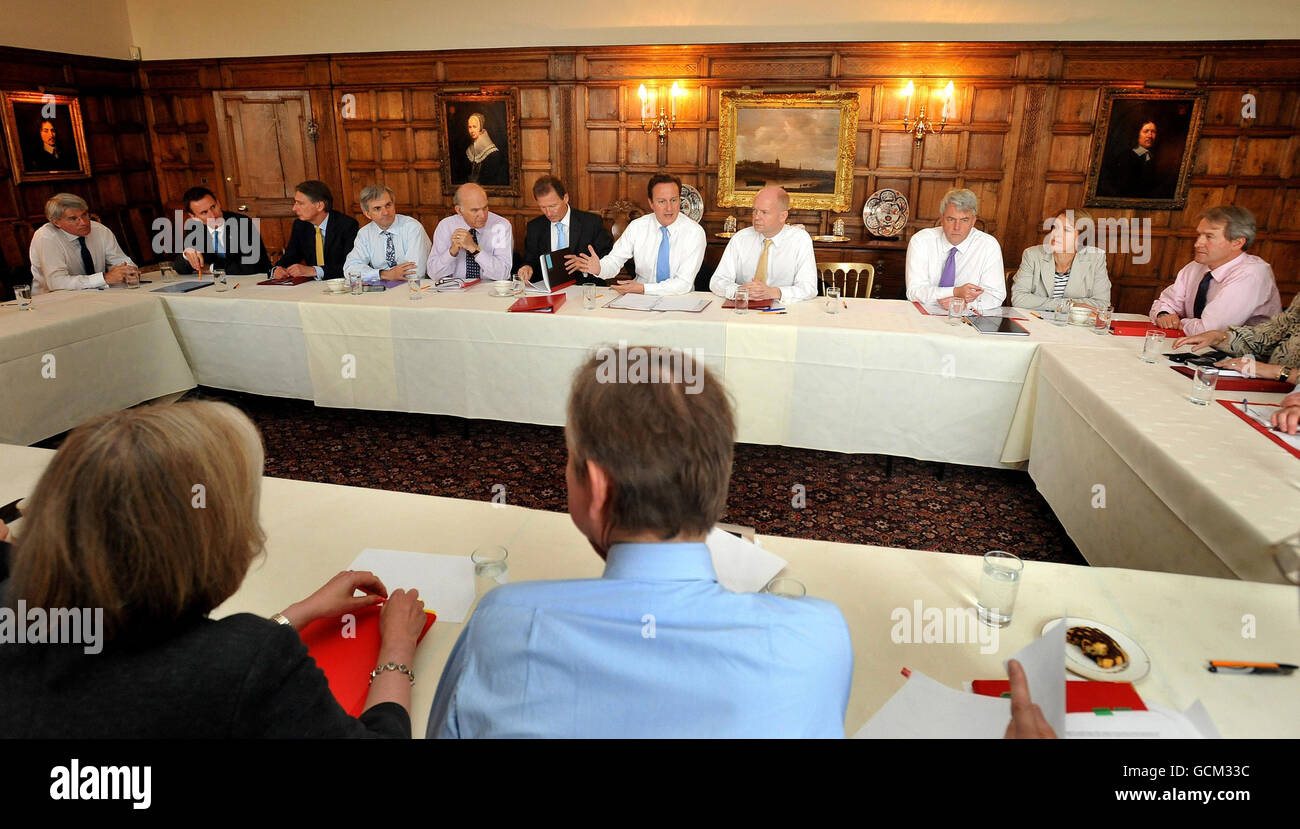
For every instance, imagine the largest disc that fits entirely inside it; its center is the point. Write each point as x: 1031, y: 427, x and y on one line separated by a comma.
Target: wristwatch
x: 1285, y: 374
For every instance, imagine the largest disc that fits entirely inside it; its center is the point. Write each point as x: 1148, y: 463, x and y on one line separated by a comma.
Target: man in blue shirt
x: 655, y: 648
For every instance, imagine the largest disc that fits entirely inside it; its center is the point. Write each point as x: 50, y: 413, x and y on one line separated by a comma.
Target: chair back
x: 852, y: 278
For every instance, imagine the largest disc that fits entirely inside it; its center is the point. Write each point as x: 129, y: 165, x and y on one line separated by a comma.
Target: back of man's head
x: 661, y: 427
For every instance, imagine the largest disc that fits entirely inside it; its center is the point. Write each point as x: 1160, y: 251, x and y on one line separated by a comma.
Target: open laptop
x: 551, y: 277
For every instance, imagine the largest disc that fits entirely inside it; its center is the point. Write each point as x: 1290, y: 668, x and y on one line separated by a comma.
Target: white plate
x: 1138, y: 665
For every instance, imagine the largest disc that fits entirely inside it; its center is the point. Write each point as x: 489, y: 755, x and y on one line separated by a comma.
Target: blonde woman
x: 1062, y: 269
x: 113, y: 527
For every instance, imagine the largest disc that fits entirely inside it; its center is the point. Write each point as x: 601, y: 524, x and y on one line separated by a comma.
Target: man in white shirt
x: 391, y: 246
x: 473, y: 244
x: 665, y: 244
x: 72, y: 252
x: 956, y: 259
x: 771, y: 259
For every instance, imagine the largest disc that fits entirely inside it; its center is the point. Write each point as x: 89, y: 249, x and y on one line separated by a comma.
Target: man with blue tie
x: 225, y: 239
x: 666, y: 245
x: 392, y: 247
x: 656, y: 647
x: 561, y: 227
x: 956, y: 259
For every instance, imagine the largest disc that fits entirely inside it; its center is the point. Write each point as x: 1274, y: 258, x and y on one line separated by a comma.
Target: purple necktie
x: 949, y: 277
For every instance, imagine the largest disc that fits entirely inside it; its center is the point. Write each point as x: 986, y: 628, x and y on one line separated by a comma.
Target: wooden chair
x: 848, y: 276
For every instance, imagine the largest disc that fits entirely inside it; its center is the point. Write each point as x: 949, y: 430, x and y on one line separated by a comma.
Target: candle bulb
x: 645, y: 102
x: 672, y: 99
x: 907, y: 113
x: 948, y: 110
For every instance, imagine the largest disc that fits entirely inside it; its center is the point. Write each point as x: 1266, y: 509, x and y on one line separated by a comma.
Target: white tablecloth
x: 75, y: 355
x: 315, y: 530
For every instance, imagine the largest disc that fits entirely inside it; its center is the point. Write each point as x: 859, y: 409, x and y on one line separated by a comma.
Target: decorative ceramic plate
x: 830, y: 238
x: 692, y: 203
x: 885, y: 213
x: 1136, y: 664
x: 724, y: 235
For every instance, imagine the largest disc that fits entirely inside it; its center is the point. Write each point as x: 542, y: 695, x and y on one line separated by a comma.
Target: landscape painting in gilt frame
x: 45, y: 136
x: 805, y: 142
x: 1142, y: 148
x: 480, y: 140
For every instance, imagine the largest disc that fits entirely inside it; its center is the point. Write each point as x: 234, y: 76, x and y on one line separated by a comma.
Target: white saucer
x: 1137, y: 666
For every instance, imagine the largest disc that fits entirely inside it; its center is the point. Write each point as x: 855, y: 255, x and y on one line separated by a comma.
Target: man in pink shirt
x: 1224, y: 285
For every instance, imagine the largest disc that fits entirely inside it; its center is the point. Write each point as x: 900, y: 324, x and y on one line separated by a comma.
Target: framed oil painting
x: 1142, y: 148
x: 45, y: 136
x: 480, y: 140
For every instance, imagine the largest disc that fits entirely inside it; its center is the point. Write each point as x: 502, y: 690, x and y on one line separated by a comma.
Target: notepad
x: 643, y: 302
x: 180, y: 287
x: 446, y: 583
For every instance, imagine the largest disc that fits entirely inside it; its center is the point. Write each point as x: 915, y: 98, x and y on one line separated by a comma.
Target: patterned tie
x: 320, y: 247
x: 86, y: 261
x: 390, y: 250
x: 472, y: 270
x: 662, y: 270
x: 760, y: 273
x: 949, y: 276
x: 561, y: 238
x: 1202, y: 295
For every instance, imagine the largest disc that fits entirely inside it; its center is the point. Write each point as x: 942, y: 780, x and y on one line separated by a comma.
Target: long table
x: 315, y: 530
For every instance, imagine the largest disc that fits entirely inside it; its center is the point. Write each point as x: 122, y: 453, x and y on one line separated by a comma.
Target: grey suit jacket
x: 1032, y: 286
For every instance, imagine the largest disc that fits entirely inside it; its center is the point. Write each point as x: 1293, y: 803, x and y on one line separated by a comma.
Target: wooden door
x: 267, y: 148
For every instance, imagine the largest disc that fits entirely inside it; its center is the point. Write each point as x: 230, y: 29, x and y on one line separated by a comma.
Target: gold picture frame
x: 26, y: 115
x: 753, y: 126
x: 1166, y: 125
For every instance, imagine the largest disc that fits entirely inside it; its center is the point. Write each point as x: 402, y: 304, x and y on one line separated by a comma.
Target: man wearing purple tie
x: 956, y: 259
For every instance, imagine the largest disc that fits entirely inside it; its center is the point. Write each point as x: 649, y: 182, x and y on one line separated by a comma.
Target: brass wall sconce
x: 922, y: 125
x: 665, y: 120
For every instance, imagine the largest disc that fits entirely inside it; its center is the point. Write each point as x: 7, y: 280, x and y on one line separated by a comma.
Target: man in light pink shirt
x: 1224, y: 285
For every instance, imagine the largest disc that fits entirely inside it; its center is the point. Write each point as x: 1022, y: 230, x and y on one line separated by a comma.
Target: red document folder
x: 1080, y: 697
x: 754, y: 304
x: 1139, y: 328
x: 545, y: 304
x: 1242, y: 383
x: 347, y: 662
x: 1268, y: 433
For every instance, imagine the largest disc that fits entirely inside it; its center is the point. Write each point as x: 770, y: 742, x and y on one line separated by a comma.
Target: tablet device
x: 998, y: 325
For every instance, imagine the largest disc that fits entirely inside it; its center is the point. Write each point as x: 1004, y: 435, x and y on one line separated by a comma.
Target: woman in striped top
x: 1061, y: 267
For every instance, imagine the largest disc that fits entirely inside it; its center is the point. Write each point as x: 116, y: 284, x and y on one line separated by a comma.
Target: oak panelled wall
x: 122, y: 189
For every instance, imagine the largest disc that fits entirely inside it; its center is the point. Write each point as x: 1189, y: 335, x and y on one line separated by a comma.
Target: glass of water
x: 1153, y: 346
x: 999, y: 582
x: 833, y: 300
x: 742, y: 301
x: 1204, y: 382
x: 1061, y: 312
x: 786, y: 587
x: 1101, y: 325
x: 413, y: 287
x: 219, y: 279
x: 23, y: 293
x: 588, y: 297
x: 132, y: 278
x: 167, y: 272
x: 956, y: 310
x: 490, y: 568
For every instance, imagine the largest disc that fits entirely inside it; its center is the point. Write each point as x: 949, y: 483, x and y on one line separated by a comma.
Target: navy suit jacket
x: 340, y: 234
x: 584, y: 229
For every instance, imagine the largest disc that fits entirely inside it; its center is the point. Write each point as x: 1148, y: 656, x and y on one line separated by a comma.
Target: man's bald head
x: 771, y: 209
x: 472, y: 204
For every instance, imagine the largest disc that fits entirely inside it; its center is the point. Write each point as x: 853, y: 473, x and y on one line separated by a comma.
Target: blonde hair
x: 149, y: 513
x: 667, y: 445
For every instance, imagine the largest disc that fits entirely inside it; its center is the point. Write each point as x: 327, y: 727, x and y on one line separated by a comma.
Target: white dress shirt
x: 369, y: 253
x: 56, y: 258
x: 979, y: 261
x: 496, y: 243
x: 640, y: 242
x: 791, y: 264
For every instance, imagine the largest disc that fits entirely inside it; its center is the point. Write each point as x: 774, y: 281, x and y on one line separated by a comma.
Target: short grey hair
x: 963, y: 200
x: 61, y: 203
x: 1238, y: 222
x: 372, y: 192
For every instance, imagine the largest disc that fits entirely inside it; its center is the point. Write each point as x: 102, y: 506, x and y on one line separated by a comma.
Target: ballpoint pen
x: 1231, y: 667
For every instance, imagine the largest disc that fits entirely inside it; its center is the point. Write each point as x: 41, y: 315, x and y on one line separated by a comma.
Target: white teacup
x: 503, y: 288
x: 336, y: 286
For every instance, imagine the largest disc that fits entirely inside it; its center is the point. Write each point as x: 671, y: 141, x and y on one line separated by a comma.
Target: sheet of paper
x: 742, y: 567
x: 682, y: 303
x: 1157, y: 723
x: 634, y: 302
x: 1044, y: 664
x: 1009, y: 313
x: 446, y: 583
x: 1262, y: 415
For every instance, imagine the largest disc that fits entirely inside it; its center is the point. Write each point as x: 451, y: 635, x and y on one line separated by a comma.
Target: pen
x: 1035, y: 314
x: 774, y: 313
x: 844, y: 303
x: 1226, y: 666
x: 769, y: 310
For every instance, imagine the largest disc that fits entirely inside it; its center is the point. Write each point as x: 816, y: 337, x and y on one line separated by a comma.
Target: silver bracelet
x: 392, y: 666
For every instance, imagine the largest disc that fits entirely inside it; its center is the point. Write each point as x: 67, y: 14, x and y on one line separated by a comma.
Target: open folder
x: 348, y: 651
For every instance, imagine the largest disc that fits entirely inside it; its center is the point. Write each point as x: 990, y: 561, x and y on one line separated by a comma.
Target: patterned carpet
x: 848, y: 498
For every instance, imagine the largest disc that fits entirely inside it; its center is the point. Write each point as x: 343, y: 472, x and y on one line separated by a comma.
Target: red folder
x: 288, y: 280
x: 921, y: 308
x: 1139, y: 328
x: 1080, y: 697
x: 545, y: 304
x: 753, y: 304
x: 1268, y: 433
x: 348, y: 661
x: 1242, y: 383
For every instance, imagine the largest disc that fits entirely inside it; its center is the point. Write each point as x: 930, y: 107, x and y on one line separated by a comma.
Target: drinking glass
x: 219, y: 278
x: 588, y: 297
x: 413, y: 287
x: 1203, y: 383
x: 490, y: 568
x: 999, y: 583
x: 132, y: 278
x: 833, y: 300
x: 23, y: 293
x: 168, y: 272
x: 742, y: 301
x: 1153, y: 346
x: 786, y: 587
x: 1061, y: 312
x: 1102, y: 324
x: 956, y: 310
x: 355, y: 284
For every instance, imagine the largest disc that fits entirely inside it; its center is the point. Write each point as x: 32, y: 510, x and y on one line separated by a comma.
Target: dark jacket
x: 584, y: 229
x: 340, y: 234
x: 239, y: 237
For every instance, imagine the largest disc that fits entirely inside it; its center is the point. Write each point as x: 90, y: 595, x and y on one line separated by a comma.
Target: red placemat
x: 1242, y: 383
x: 1266, y: 432
x: 1139, y: 328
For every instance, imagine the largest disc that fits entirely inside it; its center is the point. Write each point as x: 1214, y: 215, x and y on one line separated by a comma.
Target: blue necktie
x: 472, y: 270
x: 216, y: 243
x: 86, y: 261
x: 560, y: 241
x: 662, y: 271
x: 390, y: 250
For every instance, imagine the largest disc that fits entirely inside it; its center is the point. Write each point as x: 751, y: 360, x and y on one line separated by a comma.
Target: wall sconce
x: 664, y: 122
x: 923, y: 125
